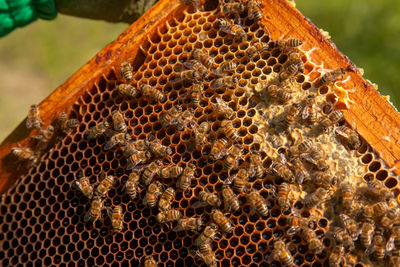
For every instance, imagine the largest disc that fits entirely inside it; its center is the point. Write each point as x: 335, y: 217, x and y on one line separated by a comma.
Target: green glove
x: 18, y: 13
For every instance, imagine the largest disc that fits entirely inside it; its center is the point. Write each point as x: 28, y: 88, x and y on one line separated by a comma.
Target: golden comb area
x: 42, y: 217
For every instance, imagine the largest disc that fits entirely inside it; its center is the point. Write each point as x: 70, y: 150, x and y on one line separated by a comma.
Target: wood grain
x: 375, y: 119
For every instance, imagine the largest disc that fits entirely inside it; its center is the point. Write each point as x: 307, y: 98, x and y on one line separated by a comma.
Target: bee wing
x: 189, y: 64
x: 216, y: 84
x: 110, y: 144
x: 370, y: 249
x: 292, y: 230
x: 87, y: 216
x: 305, y: 113
x: 199, y: 204
x: 390, y: 244
x: 339, y: 131
x: 230, y: 179
x: 272, y: 189
x: 177, y: 228
x: 217, y: 72
x: 29, y: 123
x: 76, y: 185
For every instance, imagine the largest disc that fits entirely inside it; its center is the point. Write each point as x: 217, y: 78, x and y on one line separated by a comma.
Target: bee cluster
x: 218, y: 150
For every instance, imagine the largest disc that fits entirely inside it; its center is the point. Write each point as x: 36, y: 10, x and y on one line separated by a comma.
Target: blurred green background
x: 36, y: 59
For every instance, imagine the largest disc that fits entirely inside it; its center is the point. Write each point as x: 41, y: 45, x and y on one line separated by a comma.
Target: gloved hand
x: 19, y: 13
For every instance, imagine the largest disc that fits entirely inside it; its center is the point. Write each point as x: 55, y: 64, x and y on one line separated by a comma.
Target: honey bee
x: 343, y: 238
x: 378, y: 245
x: 152, y: 93
x: 127, y: 90
x: 380, y: 209
x: 227, y: 81
x: 200, y: 132
x: 234, y: 8
x: 66, y: 125
x: 324, y: 180
x: 34, y: 120
x: 134, y: 147
x: 258, y: 203
x: 139, y: 157
x: 256, y: 49
x: 288, y: 43
x: 280, y: 169
x: 230, y: 132
x: 185, y: 179
x: 392, y: 215
x: 289, y: 71
x: 203, y: 57
x: 336, y: 256
x: 94, y: 213
x: 196, y: 94
x: 347, y: 195
x: 205, y: 252
x: 171, y: 116
x: 209, y: 233
x: 152, y: 170
x: 132, y: 184
x: 309, y: 112
x: 282, y: 253
x: 171, y: 172
x: 44, y: 137
x: 378, y: 191
x: 240, y: 180
x: 198, y: 67
x: 184, y: 119
x: 222, y: 108
x: 348, y: 137
x: 166, y: 199
x: 231, y: 201
x: 158, y: 150
x: 207, y: 198
x: 367, y: 232
x: 279, y: 94
x: 169, y: 216
x: 254, y: 10
x: 290, y: 115
x: 117, y: 139
x: 233, y: 29
x: 315, y: 198
x: 331, y: 120
x: 394, y: 239
x: 105, y: 185
x: 300, y: 173
x: 25, y: 154
x: 222, y: 221
x: 284, y: 196
x: 218, y: 149
x: 332, y: 76
x: 189, y: 224
x: 351, y: 226
x: 154, y: 191
x: 231, y: 161
x: 314, y: 244
x: 84, y: 186
x: 126, y: 71
x: 117, y: 219
x: 187, y: 75
x: 294, y: 58
x: 297, y: 223
x: 150, y: 262
x: 316, y: 159
x: 225, y: 68
x: 119, y: 122
x: 256, y: 169
x: 97, y: 130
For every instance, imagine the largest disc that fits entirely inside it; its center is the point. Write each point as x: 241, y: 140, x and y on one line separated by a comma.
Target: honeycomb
x: 42, y: 216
